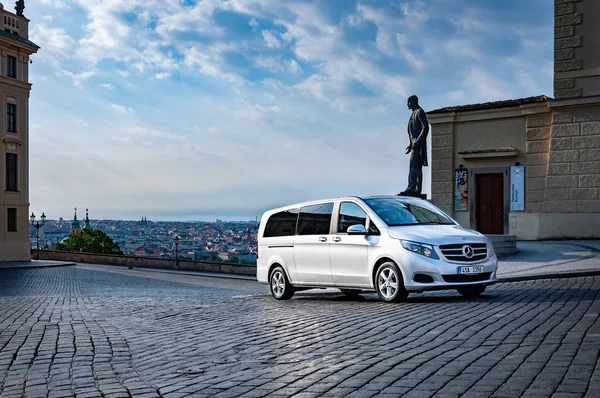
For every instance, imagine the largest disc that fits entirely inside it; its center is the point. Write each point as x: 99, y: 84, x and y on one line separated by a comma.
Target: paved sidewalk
x: 552, y: 258
x: 32, y: 264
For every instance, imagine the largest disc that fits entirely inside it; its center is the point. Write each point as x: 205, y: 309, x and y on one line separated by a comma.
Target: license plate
x: 478, y: 269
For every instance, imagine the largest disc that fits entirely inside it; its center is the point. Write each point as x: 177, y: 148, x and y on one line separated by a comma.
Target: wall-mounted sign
x: 461, y: 191
x: 517, y: 188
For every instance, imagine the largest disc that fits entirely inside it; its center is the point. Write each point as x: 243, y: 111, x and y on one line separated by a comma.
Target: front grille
x: 467, y: 278
x: 455, y: 252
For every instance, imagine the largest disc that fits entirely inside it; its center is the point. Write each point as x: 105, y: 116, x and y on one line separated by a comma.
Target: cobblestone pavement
x: 92, y: 331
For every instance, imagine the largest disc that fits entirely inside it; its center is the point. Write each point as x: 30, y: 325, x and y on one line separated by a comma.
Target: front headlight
x: 420, y: 248
x: 490, y: 249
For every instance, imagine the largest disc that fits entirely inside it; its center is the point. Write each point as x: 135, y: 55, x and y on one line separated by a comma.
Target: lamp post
x: 37, y: 226
x: 176, y: 239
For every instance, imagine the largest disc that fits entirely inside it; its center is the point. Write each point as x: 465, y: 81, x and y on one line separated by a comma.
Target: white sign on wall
x: 517, y: 188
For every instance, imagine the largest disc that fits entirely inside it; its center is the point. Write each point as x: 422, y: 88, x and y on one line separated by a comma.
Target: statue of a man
x: 418, y: 129
x: 19, y: 7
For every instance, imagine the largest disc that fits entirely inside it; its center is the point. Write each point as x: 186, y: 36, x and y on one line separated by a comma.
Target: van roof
x: 300, y: 204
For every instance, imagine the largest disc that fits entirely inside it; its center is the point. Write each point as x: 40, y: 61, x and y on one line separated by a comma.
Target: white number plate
x: 478, y: 269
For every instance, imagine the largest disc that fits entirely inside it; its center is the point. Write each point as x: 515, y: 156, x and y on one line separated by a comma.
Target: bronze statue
x: 19, y: 7
x: 418, y: 129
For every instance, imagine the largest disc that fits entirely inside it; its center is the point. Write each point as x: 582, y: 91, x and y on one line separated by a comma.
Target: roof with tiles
x: 491, y: 105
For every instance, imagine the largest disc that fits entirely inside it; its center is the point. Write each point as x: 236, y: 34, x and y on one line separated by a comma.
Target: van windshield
x: 405, y: 211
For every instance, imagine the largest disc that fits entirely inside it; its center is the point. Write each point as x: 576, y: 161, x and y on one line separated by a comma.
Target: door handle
x: 323, y: 239
x: 337, y: 239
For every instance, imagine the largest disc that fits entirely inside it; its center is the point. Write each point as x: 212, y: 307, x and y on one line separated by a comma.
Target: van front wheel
x: 389, y: 283
x: 281, y: 288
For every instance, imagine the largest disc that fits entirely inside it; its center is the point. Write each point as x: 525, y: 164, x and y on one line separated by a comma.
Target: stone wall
x: 566, y: 41
x: 573, y: 180
x: 147, y: 262
x: 538, y: 140
x: 442, y: 168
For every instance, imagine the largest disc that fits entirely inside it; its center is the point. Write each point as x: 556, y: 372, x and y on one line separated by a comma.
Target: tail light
x: 257, y: 250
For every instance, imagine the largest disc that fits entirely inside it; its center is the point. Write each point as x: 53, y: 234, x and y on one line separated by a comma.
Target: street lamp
x: 37, y: 226
x: 176, y: 239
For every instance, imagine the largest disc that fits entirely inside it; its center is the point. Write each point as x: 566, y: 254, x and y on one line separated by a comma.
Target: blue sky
x: 187, y: 109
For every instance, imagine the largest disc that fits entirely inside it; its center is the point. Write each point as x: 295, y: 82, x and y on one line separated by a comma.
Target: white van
x: 390, y: 244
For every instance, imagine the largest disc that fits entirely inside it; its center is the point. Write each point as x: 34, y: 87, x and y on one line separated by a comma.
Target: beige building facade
x: 529, y: 167
x: 15, y: 50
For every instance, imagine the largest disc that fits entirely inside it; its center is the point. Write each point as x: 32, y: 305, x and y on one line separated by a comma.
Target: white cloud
x: 270, y: 40
x: 254, y: 24
x: 122, y: 109
x: 486, y: 85
x: 123, y: 73
x: 412, y: 59
x: 210, y: 61
x: 144, y: 132
x: 527, y: 82
x: 456, y: 95
x: 162, y: 75
x: 294, y: 67
x: 381, y: 109
x: 77, y: 78
x: 256, y: 112
x: 54, y: 41
x: 55, y: 3
x: 272, y: 64
x: 108, y: 86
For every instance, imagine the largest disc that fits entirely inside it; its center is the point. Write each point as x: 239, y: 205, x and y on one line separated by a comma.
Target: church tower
x: 75, y: 224
x: 87, y: 221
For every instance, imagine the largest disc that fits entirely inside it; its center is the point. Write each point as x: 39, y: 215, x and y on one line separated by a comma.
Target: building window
x: 12, y: 220
x: 11, y: 118
x: 12, y: 66
x: 11, y: 172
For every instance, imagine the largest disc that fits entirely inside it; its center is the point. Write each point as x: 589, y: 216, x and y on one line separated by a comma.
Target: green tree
x: 89, y: 241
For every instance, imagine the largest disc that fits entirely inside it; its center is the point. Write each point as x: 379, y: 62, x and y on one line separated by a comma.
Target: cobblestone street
x: 92, y: 331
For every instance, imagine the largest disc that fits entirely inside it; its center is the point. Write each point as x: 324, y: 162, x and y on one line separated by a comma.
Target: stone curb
x: 556, y: 275
x: 195, y: 273
x: 37, y: 266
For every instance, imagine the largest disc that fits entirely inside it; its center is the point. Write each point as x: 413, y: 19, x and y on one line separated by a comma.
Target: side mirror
x: 357, y: 229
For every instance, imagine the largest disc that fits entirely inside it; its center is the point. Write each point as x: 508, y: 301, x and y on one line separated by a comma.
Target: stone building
x: 15, y: 50
x: 529, y: 167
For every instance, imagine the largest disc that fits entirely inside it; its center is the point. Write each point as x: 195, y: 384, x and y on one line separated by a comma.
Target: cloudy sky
x: 204, y: 109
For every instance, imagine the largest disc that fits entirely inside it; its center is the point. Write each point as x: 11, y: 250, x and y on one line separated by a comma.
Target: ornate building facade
x: 15, y: 50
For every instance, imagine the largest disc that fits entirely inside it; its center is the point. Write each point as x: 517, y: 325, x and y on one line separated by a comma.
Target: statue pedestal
x: 413, y: 195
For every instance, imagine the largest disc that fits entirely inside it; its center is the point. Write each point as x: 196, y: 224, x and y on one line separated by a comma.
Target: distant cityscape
x: 220, y: 241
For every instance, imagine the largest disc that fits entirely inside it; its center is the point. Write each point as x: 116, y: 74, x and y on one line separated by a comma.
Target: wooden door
x: 490, y: 203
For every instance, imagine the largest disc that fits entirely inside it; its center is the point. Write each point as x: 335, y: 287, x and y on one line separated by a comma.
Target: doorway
x: 490, y: 203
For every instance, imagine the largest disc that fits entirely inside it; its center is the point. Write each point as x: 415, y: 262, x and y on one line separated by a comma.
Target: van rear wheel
x: 281, y: 288
x: 389, y: 283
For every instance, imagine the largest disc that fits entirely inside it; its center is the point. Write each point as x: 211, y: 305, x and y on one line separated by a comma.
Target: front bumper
x: 444, y: 274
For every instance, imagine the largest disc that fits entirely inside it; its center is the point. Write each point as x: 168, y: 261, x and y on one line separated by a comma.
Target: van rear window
x: 281, y: 224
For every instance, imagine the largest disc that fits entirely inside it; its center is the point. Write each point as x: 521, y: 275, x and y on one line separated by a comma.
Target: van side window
x: 315, y: 220
x: 350, y: 214
x: 281, y: 224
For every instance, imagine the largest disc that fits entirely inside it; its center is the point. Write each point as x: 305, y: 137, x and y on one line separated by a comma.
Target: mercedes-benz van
x: 391, y: 244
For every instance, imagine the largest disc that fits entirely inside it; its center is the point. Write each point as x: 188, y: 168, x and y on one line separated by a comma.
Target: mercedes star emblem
x: 468, y: 251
